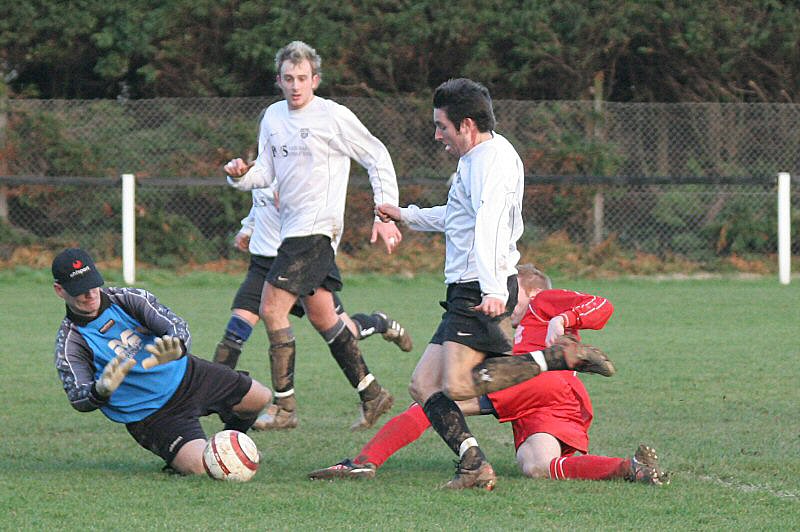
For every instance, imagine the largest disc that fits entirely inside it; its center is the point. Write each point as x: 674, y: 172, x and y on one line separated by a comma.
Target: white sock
x: 466, y: 444
x: 366, y: 381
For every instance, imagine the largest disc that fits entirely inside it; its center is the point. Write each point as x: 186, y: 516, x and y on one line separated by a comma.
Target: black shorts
x: 206, y: 388
x: 463, y: 325
x: 304, y: 264
x: 248, y: 297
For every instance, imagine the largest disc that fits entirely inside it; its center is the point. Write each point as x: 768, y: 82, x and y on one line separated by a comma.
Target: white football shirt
x: 482, y: 219
x: 306, y: 154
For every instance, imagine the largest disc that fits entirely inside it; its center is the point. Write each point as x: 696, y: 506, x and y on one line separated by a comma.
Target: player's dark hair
x: 463, y: 98
x: 531, y: 277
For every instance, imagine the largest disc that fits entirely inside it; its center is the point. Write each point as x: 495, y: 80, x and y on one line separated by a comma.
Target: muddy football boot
x: 645, y: 468
x: 482, y: 478
x: 370, y: 411
x: 568, y: 353
x: 275, y: 418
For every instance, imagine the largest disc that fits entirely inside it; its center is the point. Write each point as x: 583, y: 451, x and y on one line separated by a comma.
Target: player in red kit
x: 550, y: 413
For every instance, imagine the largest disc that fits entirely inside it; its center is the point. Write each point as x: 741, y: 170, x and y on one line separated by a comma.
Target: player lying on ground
x: 122, y: 351
x: 305, y: 147
x: 550, y: 413
x: 468, y: 355
x: 260, y: 235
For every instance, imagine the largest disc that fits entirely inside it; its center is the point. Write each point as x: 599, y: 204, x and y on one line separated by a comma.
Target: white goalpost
x: 129, y: 228
x: 784, y: 229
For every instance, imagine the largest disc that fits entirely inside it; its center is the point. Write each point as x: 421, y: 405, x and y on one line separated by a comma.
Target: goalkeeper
x: 120, y: 350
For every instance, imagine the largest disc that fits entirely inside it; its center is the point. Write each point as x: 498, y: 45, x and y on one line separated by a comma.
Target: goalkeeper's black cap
x: 75, y: 271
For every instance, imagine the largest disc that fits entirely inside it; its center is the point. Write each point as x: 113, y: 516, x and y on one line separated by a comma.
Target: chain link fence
x: 636, y: 188
x: 192, y: 137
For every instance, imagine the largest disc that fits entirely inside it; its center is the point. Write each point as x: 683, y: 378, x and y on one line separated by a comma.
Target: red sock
x: 588, y: 467
x: 398, y: 432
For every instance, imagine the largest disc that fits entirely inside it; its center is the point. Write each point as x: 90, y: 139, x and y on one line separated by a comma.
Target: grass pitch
x: 707, y: 373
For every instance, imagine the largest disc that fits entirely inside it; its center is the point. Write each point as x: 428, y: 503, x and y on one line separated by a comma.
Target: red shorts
x: 555, y: 402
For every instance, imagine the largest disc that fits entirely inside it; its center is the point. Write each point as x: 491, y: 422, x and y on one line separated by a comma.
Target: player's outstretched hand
x: 165, y: 349
x: 116, y: 370
x: 555, y: 330
x: 387, y: 212
x: 388, y: 232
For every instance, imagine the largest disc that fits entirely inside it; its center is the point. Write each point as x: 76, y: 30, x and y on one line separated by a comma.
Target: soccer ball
x: 231, y: 455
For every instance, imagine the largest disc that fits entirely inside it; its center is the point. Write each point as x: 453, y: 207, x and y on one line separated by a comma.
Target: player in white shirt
x: 305, y: 146
x: 482, y: 222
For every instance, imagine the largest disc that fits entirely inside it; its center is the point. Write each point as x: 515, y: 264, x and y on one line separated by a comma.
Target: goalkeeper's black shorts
x: 206, y: 388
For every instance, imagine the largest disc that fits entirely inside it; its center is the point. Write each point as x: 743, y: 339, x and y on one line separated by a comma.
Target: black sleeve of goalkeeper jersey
x: 74, y: 362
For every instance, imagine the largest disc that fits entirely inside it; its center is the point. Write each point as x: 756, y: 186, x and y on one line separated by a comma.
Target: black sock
x: 344, y: 348
x: 486, y: 406
x: 448, y: 421
x: 472, y: 458
x: 370, y: 392
x: 369, y: 325
x: 234, y: 422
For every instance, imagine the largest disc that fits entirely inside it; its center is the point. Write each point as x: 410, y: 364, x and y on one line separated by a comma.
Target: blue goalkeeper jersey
x: 129, y: 320
x: 143, y: 391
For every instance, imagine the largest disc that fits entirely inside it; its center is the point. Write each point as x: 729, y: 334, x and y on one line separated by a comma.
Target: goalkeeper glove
x: 113, y: 373
x: 166, y: 349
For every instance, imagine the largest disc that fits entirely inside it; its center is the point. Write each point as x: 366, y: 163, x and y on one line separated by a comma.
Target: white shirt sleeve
x: 262, y: 174
x: 367, y: 150
x: 427, y: 219
x: 248, y: 223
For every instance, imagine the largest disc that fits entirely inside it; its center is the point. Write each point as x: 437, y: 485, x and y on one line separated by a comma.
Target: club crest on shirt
x: 304, y: 133
x: 128, y: 344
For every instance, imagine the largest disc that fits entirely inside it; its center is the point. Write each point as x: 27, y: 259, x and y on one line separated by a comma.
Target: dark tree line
x: 643, y: 50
